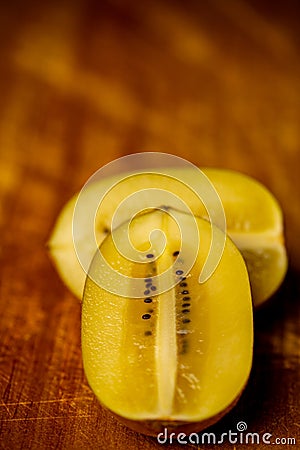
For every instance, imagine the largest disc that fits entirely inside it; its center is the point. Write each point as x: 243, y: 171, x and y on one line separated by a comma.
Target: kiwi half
x: 178, y: 354
x: 253, y: 217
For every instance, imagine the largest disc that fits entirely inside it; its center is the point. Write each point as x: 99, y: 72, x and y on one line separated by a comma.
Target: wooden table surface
x: 85, y: 82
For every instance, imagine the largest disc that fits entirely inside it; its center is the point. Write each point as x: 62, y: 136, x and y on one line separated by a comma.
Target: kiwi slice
x: 161, y: 349
x: 253, y: 217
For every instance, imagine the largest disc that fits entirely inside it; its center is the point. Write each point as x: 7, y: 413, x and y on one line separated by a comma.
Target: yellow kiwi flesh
x: 255, y: 224
x: 253, y: 217
x: 176, y: 357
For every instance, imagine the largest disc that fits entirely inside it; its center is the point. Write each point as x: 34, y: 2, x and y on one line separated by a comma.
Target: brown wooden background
x: 84, y: 82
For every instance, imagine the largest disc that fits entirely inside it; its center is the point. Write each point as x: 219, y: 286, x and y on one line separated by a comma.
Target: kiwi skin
x: 154, y: 427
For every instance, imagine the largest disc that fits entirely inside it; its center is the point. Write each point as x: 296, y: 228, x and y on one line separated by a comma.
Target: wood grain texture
x: 82, y: 83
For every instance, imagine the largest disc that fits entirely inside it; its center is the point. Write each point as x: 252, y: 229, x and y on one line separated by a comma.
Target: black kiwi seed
x: 148, y: 280
x: 148, y: 285
x: 185, y: 292
x: 146, y: 316
x: 148, y: 300
x: 186, y: 320
x: 186, y: 305
x: 179, y: 272
x: 150, y: 255
x: 148, y: 333
x: 176, y: 253
x: 105, y: 230
x: 150, y: 311
x: 147, y: 292
x: 185, y: 311
x: 183, y: 278
x: 153, y: 288
x: 184, y: 347
x: 183, y: 284
x: 186, y: 298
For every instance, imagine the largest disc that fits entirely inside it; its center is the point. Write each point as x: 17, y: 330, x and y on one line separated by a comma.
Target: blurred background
x: 81, y: 83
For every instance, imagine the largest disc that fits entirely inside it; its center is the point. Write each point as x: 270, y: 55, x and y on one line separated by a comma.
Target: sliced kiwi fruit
x: 253, y: 217
x: 161, y: 349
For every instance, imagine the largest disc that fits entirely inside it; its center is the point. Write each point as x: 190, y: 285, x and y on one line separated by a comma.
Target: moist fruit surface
x: 181, y: 352
x: 253, y: 216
